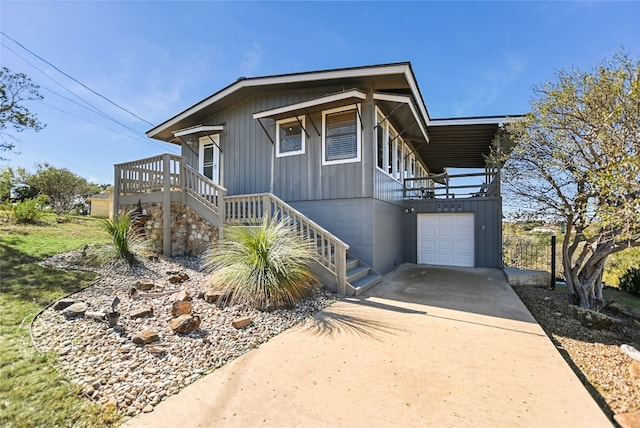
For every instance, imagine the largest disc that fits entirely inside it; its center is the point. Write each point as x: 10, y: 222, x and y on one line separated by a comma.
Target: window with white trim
x: 341, y: 136
x: 290, y: 137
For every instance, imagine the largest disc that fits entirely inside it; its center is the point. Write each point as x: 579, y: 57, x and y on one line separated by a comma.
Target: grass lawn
x: 32, y: 393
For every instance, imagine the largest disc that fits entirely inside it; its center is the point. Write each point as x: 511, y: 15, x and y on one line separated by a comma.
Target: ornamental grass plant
x: 125, y: 242
x: 266, y: 266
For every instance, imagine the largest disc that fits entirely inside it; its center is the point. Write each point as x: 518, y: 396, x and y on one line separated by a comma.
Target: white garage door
x: 446, y: 239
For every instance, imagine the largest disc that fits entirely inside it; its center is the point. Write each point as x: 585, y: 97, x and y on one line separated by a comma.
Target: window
x: 209, y: 157
x: 381, y: 140
x: 290, y: 137
x: 340, y: 136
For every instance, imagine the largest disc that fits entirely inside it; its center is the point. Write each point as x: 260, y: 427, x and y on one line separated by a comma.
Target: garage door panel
x: 446, y: 239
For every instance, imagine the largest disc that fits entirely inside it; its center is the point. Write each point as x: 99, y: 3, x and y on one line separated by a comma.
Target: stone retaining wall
x: 190, y: 233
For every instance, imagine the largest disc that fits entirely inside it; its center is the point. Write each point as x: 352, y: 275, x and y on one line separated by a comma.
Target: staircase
x: 335, y: 267
x: 166, y: 178
x: 360, y: 277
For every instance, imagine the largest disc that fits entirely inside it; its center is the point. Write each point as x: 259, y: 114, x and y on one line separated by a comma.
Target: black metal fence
x: 530, y: 252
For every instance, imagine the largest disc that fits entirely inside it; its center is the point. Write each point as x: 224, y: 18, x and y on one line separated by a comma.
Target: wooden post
x: 341, y: 270
x: 166, y: 206
x: 116, y: 191
x: 553, y: 262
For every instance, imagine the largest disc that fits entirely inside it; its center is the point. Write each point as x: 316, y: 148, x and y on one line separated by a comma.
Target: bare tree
x: 15, y: 89
x: 576, y: 157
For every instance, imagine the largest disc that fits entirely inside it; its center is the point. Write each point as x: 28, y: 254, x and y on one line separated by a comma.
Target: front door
x: 210, y: 157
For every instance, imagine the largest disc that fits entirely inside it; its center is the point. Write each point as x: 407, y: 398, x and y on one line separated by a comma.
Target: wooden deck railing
x: 331, y: 252
x: 148, y: 175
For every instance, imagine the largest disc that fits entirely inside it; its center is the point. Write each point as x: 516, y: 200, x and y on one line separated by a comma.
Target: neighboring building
x: 101, y: 205
x: 350, y: 155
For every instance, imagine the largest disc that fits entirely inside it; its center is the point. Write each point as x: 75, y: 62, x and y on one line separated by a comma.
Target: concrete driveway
x: 429, y: 346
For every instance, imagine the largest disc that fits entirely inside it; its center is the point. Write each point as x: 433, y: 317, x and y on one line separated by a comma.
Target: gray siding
x: 386, y: 188
x: 387, y: 236
x: 488, y: 226
x: 348, y: 219
x: 303, y: 177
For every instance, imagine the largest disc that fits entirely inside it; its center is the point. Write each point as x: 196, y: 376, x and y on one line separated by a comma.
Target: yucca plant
x: 265, y: 266
x: 125, y: 242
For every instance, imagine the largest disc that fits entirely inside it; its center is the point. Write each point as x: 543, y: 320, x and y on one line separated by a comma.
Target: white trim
x: 214, y: 141
x: 405, y: 100
x: 494, y: 120
x: 291, y: 78
x: 211, y: 129
x: 302, y: 137
x: 358, y: 135
x: 354, y: 93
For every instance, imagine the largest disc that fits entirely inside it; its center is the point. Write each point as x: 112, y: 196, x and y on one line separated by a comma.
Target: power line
x: 150, y: 142
x: 90, y: 107
x: 74, y: 79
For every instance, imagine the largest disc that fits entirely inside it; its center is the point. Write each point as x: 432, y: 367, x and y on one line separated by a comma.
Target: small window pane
x: 290, y: 137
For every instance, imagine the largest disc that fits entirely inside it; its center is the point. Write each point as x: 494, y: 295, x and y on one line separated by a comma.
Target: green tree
x: 576, y: 157
x: 60, y: 185
x: 15, y: 89
x: 13, y: 184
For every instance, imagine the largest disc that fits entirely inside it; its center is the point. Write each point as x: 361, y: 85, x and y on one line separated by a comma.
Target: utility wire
x: 90, y: 107
x: 73, y: 78
x: 150, y: 142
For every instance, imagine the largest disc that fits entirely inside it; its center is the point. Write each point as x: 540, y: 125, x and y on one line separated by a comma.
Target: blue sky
x: 157, y: 58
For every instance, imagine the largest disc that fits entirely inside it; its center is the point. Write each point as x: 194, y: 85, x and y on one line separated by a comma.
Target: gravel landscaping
x: 133, y: 377
x: 595, y: 355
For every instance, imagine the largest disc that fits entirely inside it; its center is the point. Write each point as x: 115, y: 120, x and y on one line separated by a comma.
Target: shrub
x: 630, y: 281
x: 265, y: 266
x: 126, y: 243
x: 29, y: 210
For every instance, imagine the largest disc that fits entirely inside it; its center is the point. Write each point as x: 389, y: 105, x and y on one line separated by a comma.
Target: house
x: 101, y: 205
x: 350, y: 155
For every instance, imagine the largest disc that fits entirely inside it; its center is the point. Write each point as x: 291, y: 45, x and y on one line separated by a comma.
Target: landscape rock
x: 147, y: 409
x: 63, y: 303
x: 628, y: 420
x: 142, y: 313
x: 181, y: 296
x: 145, y: 336
x: 630, y: 351
x: 96, y: 315
x: 591, y: 319
x: 75, y: 310
x: 144, y: 286
x: 185, y: 324
x: 178, y: 278
x: 241, y: 322
x: 181, y: 308
x: 211, y: 296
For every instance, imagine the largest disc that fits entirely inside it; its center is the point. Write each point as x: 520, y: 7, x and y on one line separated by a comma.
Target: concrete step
x: 365, y: 282
x: 357, y: 272
x: 351, y: 262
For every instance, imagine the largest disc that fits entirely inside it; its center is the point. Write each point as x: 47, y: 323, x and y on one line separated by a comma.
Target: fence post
x: 166, y: 206
x: 553, y: 262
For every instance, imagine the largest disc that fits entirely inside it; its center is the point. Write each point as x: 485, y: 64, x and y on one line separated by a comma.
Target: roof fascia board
x: 489, y: 120
x: 354, y: 93
x: 416, y: 93
x: 273, y: 80
x: 407, y: 100
x: 198, y: 129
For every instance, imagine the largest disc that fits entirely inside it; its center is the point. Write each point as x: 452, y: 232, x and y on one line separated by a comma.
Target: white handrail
x: 330, y: 250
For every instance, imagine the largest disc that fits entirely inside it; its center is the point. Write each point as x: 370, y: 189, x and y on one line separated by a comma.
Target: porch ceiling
x: 458, y: 143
